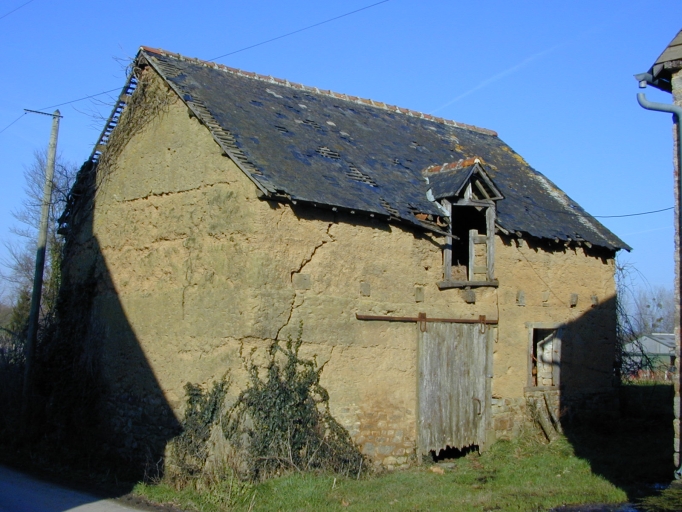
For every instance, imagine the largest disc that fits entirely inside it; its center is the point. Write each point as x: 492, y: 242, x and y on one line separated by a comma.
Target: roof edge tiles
x: 672, y: 52
x: 332, y: 94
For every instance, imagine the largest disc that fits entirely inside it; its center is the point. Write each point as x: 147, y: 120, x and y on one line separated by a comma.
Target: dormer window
x: 468, y: 256
x: 468, y: 195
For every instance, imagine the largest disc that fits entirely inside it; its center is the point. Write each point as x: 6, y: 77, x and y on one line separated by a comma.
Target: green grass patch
x: 518, y: 475
x: 669, y: 500
x: 226, y: 495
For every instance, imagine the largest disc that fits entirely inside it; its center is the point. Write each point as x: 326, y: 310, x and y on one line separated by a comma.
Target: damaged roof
x: 448, y: 180
x: 358, y: 155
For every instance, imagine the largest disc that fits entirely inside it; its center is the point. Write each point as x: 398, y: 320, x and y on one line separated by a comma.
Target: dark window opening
x: 469, y: 254
x: 469, y: 244
x: 545, y: 358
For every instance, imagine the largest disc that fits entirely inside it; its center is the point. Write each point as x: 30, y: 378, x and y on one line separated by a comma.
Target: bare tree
x: 653, y: 310
x: 17, y: 274
x: 641, y: 309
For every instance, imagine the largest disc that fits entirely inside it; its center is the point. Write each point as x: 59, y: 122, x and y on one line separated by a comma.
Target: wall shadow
x: 98, y: 409
x: 625, y: 432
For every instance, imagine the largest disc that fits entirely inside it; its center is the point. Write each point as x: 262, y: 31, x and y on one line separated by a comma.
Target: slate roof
x: 338, y: 151
x: 450, y: 179
x: 668, y: 62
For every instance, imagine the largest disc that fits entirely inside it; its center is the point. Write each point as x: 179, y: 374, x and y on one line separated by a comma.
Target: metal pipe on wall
x: 677, y: 112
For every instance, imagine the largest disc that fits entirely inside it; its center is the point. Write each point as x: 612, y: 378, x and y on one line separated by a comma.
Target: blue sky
x: 554, y: 79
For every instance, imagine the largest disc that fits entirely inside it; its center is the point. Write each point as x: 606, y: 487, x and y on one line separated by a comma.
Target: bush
x: 282, y: 422
x: 190, y: 450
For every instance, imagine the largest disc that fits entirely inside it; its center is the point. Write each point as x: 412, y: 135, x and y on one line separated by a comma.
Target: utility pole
x: 34, y: 314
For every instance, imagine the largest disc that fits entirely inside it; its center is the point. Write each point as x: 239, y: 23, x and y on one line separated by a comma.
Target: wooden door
x: 454, y: 388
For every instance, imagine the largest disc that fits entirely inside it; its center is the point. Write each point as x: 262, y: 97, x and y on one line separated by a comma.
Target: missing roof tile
x: 357, y: 175
x: 390, y: 209
x: 327, y: 153
x: 310, y: 122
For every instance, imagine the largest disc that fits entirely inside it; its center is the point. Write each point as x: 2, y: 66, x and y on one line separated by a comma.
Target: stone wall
x: 197, y: 271
x: 677, y: 99
x: 509, y: 417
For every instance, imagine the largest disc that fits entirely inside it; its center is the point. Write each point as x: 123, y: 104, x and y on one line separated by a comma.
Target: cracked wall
x: 203, y: 268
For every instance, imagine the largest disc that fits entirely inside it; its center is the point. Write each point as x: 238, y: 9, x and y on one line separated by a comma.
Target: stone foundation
x: 509, y: 416
x: 383, y: 439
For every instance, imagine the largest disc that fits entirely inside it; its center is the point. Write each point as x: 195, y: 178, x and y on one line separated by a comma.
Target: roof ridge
x: 295, y: 85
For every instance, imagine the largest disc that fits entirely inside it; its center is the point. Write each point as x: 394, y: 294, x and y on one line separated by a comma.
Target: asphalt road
x: 22, y: 493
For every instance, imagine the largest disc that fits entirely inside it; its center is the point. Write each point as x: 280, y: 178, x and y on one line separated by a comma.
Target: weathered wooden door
x: 454, y: 388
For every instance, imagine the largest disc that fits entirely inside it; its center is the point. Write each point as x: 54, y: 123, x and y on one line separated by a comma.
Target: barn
x: 444, y: 283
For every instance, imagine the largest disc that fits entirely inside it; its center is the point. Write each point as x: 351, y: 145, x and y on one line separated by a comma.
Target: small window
x: 469, y: 244
x: 468, y: 255
x: 544, y: 354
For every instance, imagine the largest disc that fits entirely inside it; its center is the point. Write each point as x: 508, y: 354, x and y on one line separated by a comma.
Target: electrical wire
x: 59, y: 105
x: 81, y: 99
x: 563, y: 212
x: 219, y: 57
x: 289, y: 34
x: 14, y: 10
x: 22, y: 115
x: 300, y: 30
x: 578, y: 214
x: 632, y: 214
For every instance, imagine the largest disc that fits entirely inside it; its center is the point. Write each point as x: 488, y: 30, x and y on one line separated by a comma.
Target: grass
x: 517, y: 475
x: 608, y: 462
x: 669, y: 500
x: 229, y: 494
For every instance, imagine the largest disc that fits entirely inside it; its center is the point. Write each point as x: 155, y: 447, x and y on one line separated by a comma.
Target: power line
x: 632, y: 214
x: 81, y: 99
x: 14, y: 10
x: 564, y: 212
x: 221, y: 56
x: 60, y: 104
x: 300, y: 30
x: 287, y: 35
x: 215, y: 58
x: 22, y: 115
x: 578, y: 214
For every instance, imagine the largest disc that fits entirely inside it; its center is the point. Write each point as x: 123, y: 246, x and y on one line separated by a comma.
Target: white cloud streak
x: 498, y: 76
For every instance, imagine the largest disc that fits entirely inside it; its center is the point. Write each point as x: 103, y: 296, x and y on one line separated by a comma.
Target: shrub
x: 282, y: 422
x: 190, y: 449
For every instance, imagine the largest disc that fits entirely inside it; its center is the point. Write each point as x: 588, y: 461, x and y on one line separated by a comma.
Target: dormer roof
x: 451, y: 179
